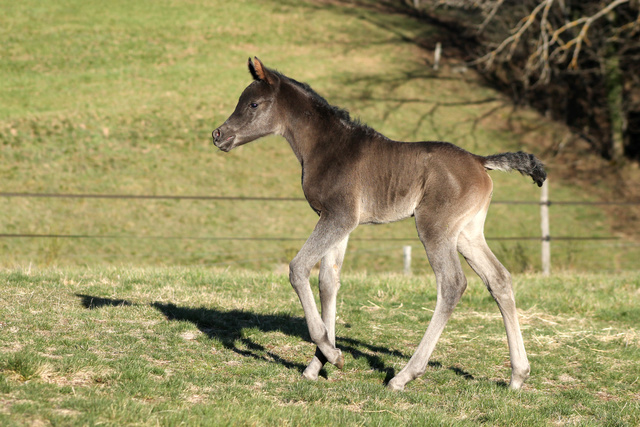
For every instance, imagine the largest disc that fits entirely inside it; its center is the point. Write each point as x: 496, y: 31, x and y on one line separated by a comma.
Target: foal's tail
x: 526, y: 164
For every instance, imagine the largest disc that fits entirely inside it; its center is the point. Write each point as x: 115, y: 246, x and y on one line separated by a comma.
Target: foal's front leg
x: 329, y: 284
x: 327, y: 235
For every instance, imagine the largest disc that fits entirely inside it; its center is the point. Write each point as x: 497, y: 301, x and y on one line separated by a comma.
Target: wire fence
x: 276, y: 199
x: 228, y: 238
x: 276, y: 239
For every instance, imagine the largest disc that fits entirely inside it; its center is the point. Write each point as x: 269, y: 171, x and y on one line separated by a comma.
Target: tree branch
x: 549, y: 46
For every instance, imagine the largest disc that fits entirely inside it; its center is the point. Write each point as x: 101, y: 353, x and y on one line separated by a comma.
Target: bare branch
x: 583, y: 32
x: 578, y: 61
x: 548, y: 46
x: 490, y: 16
x: 514, y: 39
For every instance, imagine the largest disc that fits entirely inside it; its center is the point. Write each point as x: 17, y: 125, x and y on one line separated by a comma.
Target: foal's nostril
x: 216, y: 135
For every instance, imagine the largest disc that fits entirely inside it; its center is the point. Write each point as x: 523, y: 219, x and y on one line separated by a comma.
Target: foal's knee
x: 298, y: 273
x: 329, y: 278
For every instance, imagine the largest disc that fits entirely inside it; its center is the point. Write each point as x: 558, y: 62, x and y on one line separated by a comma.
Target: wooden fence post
x: 406, y: 257
x: 544, y: 224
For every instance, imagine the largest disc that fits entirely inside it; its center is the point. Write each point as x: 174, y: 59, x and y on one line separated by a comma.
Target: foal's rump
x: 398, y: 177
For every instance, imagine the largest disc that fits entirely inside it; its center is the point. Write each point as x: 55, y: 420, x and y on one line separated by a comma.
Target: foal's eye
x: 253, y: 105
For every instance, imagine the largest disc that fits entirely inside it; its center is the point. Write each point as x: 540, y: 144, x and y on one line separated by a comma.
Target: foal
x: 353, y: 175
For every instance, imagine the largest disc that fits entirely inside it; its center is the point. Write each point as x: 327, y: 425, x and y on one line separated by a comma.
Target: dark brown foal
x: 353, y: 175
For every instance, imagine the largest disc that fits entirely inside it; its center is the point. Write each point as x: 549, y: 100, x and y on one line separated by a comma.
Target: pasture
x: 170, y: 346
x: 123, y: 101
x: 151, y: 318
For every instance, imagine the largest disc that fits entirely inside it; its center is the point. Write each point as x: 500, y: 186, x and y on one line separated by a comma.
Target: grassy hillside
x: 207, y: 347
x: 122, y: 100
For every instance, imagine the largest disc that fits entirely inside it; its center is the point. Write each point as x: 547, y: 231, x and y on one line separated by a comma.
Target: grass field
x: 171, y: 346
x: 122, y: 100
x: 150, y: 319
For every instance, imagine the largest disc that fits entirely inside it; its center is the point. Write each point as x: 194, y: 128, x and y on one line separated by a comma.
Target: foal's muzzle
x: 219, y: 140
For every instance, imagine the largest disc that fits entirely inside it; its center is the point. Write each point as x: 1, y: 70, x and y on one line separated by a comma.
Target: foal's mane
x: 338, y: 112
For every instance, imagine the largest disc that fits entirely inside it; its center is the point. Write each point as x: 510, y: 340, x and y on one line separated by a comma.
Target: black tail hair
x: 526, y: 164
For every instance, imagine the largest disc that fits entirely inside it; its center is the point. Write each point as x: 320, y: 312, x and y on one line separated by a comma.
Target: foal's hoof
x: 518, y: 377
x: 312, y: 371
x: 395, y: 385
x: 340, y: 362
x: 311, y: 376
x: 516, y: 384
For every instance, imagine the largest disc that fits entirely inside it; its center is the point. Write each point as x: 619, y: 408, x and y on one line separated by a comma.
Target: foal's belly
x: 375, y: 213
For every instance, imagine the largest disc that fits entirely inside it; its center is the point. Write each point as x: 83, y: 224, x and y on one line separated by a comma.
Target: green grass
x: 123, y: 99
x: 193, y: 346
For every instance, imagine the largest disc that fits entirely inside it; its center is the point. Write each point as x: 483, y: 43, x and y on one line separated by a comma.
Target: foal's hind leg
x: 497, y: 279
x: 451, y: 283
x: 329, y: 284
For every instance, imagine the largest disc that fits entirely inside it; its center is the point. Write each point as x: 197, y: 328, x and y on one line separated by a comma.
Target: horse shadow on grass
x: 228, y: 326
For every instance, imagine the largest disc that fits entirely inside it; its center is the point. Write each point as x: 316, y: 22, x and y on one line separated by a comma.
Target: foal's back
x: 396, y: 178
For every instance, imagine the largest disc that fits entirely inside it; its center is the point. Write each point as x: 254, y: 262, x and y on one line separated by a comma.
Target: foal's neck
x: 307, y: 124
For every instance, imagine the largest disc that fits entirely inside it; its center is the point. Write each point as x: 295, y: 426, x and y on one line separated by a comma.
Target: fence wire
x: 276, y: 199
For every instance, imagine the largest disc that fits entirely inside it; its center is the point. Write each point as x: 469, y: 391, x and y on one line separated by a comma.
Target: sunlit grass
x: 200, y: 346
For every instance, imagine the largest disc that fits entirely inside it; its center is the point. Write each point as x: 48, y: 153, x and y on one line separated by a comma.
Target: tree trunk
x: 631, y: 106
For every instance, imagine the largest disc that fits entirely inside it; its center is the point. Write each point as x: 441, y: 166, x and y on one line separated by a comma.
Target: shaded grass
x: 199, y: 346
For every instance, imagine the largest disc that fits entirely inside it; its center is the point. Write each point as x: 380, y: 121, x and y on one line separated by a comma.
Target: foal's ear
x: 260, y: 72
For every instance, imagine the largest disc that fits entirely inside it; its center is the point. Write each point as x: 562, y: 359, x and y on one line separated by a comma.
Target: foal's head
x: 255, y: 115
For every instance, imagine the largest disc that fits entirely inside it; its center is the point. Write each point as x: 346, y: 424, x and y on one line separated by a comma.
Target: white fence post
x: 406, y: 257
x: 436, y: 56
x: 544, y: 224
